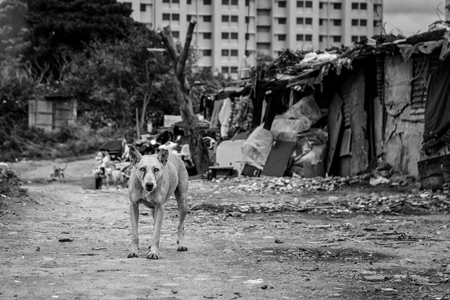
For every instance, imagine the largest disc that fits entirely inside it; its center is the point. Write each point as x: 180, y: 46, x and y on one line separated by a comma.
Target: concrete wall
x: 50, y: 115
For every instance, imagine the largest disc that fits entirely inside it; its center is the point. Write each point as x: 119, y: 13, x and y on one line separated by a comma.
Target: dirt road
x: 69, y: 243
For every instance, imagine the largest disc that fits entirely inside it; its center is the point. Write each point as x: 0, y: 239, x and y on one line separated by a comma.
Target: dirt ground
x: 69, y: 243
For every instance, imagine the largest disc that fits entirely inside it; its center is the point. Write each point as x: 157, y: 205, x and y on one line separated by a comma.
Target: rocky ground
x: 269, y: 238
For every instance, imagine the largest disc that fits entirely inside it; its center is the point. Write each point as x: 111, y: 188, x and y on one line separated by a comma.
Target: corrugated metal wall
x: 423, y: 67
x: 346, y: 94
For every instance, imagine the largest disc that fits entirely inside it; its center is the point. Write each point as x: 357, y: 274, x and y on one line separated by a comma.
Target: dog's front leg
x: 134, y: 215
x: 158, y: 215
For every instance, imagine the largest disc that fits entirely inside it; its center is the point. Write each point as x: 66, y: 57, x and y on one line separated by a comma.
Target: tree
x: 179, y: 55
x: 13, y: 28
x: 59, y: 28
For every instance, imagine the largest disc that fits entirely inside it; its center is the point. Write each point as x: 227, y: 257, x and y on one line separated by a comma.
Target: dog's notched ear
x: 135, y: 156
x: 163, y: 156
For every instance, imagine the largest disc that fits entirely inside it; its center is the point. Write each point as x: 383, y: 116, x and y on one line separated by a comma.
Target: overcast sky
x: 411, y: 16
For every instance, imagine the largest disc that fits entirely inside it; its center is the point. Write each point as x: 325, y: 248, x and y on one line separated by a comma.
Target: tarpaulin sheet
x: 437, y: 109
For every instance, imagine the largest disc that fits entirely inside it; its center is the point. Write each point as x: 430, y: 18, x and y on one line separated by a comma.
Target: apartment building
x: 227, y: 30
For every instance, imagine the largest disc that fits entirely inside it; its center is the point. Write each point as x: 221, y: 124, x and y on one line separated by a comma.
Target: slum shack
x: 381, y: 103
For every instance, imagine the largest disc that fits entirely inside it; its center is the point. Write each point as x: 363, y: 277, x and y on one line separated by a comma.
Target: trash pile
x: 305, y: 198
x: 290, y: 185
x: 385, y: 203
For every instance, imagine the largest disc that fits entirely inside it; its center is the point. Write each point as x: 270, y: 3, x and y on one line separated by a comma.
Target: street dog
x: 153, y: 179
x: 57, y: 174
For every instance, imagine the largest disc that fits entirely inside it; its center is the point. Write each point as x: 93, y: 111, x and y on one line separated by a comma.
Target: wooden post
x: 137, y: 124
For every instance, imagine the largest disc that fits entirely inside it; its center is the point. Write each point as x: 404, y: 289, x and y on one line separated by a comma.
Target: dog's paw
x: 182, y: 248
x: 152, y: 256
x: 132, y: 255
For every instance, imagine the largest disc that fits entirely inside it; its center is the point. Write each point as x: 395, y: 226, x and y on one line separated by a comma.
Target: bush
x: 10, y: 185
x: 69, y: 141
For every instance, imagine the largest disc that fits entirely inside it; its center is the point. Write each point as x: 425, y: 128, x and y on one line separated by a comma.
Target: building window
x: 299, y: 37
x: 234, y: 69
x: 355, y: 22
x: 281, y: 37
x: 308, y: 37
x: 225, y: 18
x: 300, y: 3
x: 336, y: 39
x: 143, y: 7
x: 308, y: 21
x: 320, y: 38
x: 234, y: 52
x: 190, y: 17
x: 320, y: 22
x: 354, y: 38
x: 207, y: 52
x: 247, y: 20
x: 206, y: 35
x: 355, y: 5
x: 175, y: 17
x: 308, y: 4
x: 282, y: 4
x: 225, y: 70
x: 234, y: 2
x: 128, y: 5
x: 206, y: 2
x: 234, y: 35
x: 320, y: 5
x: 225, y: 52
x: 206, y: 18
x: 189, y: 1
x: 176, y: 1
x: 337, y: 22
x: 363, y: 6
x: 166, y: 17
x: 166, y: 1
x: 225, y: 35
x: 281, y: 20
x: 363, y: 23
x: 299, y: 20
x: 176, y: 34
x: 362, y: 38
x: 234, y: 19
x: 337, y: 5
x: 225, y: 2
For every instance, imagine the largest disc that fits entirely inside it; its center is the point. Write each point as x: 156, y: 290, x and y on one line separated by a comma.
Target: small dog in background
x: 57, y: 174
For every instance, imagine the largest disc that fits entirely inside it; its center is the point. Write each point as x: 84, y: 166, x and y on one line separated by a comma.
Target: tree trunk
x: 197, y: 147
x: 144, y: 108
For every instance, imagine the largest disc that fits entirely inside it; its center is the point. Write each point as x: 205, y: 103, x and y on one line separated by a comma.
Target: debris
x: 254, y: 281
x: 375, y: 278
x: 378, y: 180
x: 65, y: 240
x: 277, y: 241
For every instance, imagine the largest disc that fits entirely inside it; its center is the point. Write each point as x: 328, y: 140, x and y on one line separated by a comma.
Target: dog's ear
x: 163, y: 156
x: 135, y: 156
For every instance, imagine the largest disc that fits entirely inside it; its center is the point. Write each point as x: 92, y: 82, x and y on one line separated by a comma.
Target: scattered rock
x: 375, y: 278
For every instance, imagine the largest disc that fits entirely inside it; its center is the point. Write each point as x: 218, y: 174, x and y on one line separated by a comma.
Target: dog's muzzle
x: 149, y: 186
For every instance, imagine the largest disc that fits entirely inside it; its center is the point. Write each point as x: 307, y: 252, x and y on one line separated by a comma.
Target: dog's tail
x: 64, y: 167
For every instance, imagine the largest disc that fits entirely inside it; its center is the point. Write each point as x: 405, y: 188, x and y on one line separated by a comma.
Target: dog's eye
x: 142, y: 169
x: 155, y: 170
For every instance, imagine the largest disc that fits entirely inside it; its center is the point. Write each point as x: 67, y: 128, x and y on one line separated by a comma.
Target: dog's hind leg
x: 180, y: 195
x: 134, y: 215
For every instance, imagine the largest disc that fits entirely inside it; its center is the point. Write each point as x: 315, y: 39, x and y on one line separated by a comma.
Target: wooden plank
x: 278, y: 158
x: 360, y: 144
x: 335, y: 118
x: 346, y: 143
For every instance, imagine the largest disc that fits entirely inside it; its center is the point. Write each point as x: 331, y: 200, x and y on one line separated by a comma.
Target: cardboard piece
x: 278, y: 158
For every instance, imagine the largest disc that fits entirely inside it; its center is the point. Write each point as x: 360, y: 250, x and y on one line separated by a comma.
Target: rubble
x: 386, y: 201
